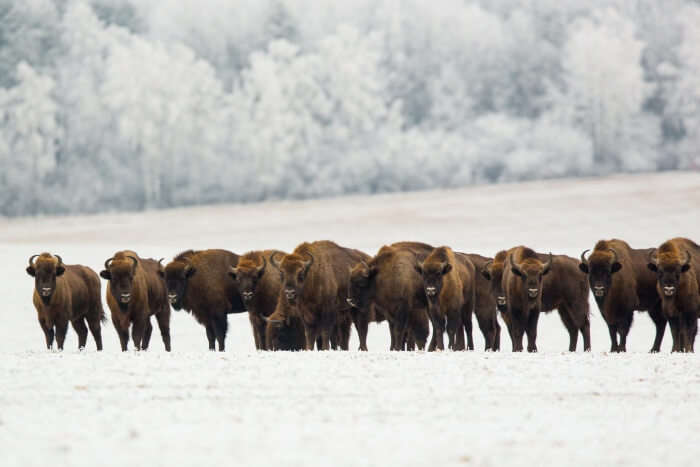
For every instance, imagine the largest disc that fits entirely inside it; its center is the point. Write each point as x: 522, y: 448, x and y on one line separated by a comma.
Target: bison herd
x: 313, y: 296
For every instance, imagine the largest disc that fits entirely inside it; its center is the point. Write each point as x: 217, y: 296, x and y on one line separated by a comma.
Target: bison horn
x: 273, y: 260
x: 652, y: 256
x: 548, y: 264
x: 261, y: 268
x: 108, y: 262
x: 136, y: 262
x: 687, y: 258
x: 31, y: 259
x: 583, y: 256
x: 614, y: 260
x: 513, y: 265
x: 308, y: 263
x: 60, y: 260
x: 160, y: 262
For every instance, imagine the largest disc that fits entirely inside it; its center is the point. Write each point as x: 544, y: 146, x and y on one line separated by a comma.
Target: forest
x: 113, y: 105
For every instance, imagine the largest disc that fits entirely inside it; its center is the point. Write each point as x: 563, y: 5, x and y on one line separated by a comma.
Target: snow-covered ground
x: 193, y: 407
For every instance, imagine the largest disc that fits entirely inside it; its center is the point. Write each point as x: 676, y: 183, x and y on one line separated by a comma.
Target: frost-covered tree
x: 29, y: 136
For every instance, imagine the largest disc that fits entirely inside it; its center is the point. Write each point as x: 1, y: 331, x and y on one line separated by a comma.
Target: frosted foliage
x: 128, y: 105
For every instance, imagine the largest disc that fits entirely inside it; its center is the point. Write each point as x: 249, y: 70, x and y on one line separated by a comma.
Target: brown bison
x: 485, y: 307
x: 535, y: 283
x: 448, y: 283
x: 621, y: 283
x: 199, y: 282
x: 135, y: 292
x: 284, y: 331
x: 259, y: 286
x: 390, y: 282
x: 677, y: 266
x: 64, y: 293
x: 492, y: 271
x: 314, y: 278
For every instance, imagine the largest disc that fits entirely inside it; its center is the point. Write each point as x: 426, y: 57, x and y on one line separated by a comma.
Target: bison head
x: 44, y: 271
x: 432, y: 272
x: 246, y: 275
x: 176, y: 275
x: 531, y: 271
x: 361, y: 287
x: 120, y: 274
x: 293, y: 271
x: 493, y: 272
x: 668, y: 269
x: 600, y: 267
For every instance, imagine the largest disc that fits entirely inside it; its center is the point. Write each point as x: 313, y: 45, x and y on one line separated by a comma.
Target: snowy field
x: 193, y: 407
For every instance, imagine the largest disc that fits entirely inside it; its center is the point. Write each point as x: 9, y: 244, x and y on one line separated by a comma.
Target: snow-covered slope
x: 192, y: 407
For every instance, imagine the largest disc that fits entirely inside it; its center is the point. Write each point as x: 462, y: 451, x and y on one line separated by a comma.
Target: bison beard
x: 199, y: 282
x: 621, y: 284
x: 66, y: 293
x: 676, y: 264
x: 135, y: 292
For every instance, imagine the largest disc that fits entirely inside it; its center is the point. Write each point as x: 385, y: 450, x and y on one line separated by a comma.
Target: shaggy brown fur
x: 199, y: 282
x: 135, y: 292
x: 314, y: 289
x: 621, y: 283
x: 259, y: 286
x: 64, y: 293
x: 536, y: 283
x: 449, y: 287
x: 485, y: 307
x: 390, y: 282
x: 284, y: 332
x: 677, y: 266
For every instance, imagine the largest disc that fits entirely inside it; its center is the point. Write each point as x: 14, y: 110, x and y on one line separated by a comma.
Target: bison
x: 314, y: 278
x: 284, y: 331
x: 135, y: 292
x: 199, y: 282
x: 390, y: 282
x: 259, y: 286
x: 621, y: 283
x: 485, y: 307
x: 677, y: 266
x: 448, y: 283
x: 64, y: 293
x: 535, y: 283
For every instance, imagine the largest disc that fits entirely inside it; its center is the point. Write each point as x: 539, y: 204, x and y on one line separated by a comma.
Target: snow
x: 192, y: 406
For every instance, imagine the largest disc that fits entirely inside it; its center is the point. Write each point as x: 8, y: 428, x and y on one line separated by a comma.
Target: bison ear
x: 583, y: 267
x: 161, y: 273
x: 232, y: 273
x: 516, y: 271
x: 106, y: 275
x: 446, y: 268
x: 652, y: 267
x: 685, y: 267
x: 31, y: 271
x: 615, y: 267
x: 419, y: 268
x: 60, y: 270
x: 372, y: 271
x: 190, y: 272
x: 486, y: 274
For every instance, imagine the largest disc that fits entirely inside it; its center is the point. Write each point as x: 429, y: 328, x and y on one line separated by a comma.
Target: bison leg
x: 147, y: 331
x: 496, y: 335
x: 220, y: 329
x: 81, y: 331
x: 420, y: 328
x: 517, y: 329
x: 163, y: 320
x: 438, y: 323
x: 660, y: 322
x: 96, y: 330
x: 137, y: 331
x: 48, y: 333
x: 675, y: 334
x: 326, y: 335
x: 572, y: 329
x: 454, y: 329
x: 361, y: 322
x: 612, y: 330
x: 312, y: 337
x: 258, y: 324
x: 586, y: 332
x: 468, y: 327
x: 532, y: 331
x: 61, y: 330
x: 211, y: 335
x: 488, y: 330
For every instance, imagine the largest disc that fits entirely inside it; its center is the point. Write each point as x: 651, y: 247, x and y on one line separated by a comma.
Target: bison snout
x: 45, y: 291
x: 247, y: 296
x: 501, y: 300
x: 351, y: 302
x: 125, y: 297
x: 431, y: 291
x: 599, y: 290
x: 669, y: 290
x: 172, y: 298
x: 532, y: 293
x: 291, y: 294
